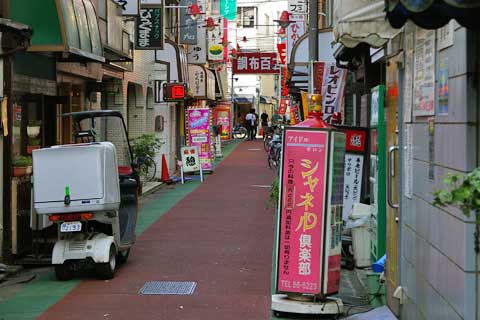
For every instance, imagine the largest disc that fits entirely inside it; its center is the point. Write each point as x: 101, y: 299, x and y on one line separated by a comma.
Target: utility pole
x: 312, y: 40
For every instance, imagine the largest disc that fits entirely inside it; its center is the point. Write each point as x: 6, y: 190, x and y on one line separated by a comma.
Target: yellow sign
x: 305, y: 104
x: 5, y: 116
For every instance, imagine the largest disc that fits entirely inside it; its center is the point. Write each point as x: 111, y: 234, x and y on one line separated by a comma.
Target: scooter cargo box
x: 76, y: 178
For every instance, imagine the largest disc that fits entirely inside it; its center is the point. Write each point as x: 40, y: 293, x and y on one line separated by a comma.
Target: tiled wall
x: 437, y: 244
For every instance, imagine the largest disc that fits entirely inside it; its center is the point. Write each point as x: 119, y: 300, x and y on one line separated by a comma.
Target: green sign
x: 228, y: 9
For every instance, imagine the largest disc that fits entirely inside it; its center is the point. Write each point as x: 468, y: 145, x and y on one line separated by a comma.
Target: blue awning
x: 433, y: 14
x: 245, y: 100
x: 266, y: 100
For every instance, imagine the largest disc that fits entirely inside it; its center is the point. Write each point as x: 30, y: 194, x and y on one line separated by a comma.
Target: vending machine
x: 309, y: 222
x: 378, y: 172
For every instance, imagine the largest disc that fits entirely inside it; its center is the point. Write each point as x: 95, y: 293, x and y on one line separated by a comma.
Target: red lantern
x: 194, y: 11
x: 284, y: 20
x: 210, y: 24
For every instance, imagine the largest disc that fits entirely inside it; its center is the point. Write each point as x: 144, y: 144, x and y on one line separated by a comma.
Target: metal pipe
x: 312, y: 38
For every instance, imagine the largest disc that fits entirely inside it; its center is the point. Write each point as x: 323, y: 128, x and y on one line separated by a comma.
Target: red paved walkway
x: 220, y: 235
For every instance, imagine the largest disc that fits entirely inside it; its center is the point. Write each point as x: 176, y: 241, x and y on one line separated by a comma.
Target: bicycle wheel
x: 266, y: 143
x: 148, y: 169
x: 271, y: 159
x: 240, y: 133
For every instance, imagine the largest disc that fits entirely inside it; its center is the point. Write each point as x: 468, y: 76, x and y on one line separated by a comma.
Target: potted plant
x: 33, y: 128
x: 22, y: 166
x: 33, y: 143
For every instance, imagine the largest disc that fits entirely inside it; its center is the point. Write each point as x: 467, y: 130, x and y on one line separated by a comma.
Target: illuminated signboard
x: 174, y: 91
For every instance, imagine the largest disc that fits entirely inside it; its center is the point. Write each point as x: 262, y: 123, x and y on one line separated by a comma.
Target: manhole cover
x: 168, y: 287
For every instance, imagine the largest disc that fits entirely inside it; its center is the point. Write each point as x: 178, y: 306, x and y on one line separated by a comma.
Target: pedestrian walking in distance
x: 264, y: 122
x: 250, y: 121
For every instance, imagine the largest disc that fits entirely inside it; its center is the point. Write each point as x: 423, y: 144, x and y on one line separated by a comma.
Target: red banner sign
x: 282, y: 52
x: 256, y: 62
x: 283, y: 107
x: 300, y: 256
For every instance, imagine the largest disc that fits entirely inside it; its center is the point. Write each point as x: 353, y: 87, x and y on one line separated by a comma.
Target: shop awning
x: 266, y: 100
x: 72, y: 29
x: 175, y: 58
x: 433, y: 14
x: 362, y: 21
x: 243, y: 99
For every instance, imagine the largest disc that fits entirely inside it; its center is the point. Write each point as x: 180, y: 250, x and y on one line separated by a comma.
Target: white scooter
x: 90, y: 189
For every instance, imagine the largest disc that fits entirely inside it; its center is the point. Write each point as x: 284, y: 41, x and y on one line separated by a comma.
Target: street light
x: 284, y: 20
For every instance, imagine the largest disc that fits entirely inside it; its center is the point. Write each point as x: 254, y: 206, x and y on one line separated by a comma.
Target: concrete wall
x: 437, y: 268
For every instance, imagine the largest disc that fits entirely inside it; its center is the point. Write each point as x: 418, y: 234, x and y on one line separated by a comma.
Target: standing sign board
x: 149, y: 28
x: 222, y: 116
x: 310, y: 206
x: 190, y: 161
x: 199, y: 134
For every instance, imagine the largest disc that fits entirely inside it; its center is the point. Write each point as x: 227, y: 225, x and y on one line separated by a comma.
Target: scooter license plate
x: 73, y: 226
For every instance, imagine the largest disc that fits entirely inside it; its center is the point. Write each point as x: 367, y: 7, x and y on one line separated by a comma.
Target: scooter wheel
x: 122, y: 256
x: 106, y: 271
x: 64, y: 271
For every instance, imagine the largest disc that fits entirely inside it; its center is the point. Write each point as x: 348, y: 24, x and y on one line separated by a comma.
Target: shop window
x: 247, y: 17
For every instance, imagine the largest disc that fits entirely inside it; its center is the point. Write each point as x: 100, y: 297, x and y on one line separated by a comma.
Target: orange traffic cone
x: 165, y: 176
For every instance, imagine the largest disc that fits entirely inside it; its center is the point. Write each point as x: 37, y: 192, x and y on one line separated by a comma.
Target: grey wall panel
x: 420, y: 141
x: 455, y: 147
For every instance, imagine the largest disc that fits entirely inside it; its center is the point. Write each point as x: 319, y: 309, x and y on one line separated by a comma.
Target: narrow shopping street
x: 220, y: 236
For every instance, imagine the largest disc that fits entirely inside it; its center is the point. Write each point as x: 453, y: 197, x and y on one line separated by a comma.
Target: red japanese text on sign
x: 302, y: 211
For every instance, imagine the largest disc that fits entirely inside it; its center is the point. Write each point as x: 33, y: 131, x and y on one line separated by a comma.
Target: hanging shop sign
x: 149, y: 28
x: 129, y: 7
x: 174, y: 91
x: 356, y: 140
x: 311, y: 201
x: 295, y: 30
x: 424, y: 73
x: 256, y: 62
x: 202, y: 82
x: 333, y: 87
x: 199, y: 134
x: 215, y: 38
x: 188, y: 29
x: 228, y: 9
x: 283, y: 107
x: 222, y: 116
x: 197, y: 53
x: 282, y: 52
x: 318, y: 71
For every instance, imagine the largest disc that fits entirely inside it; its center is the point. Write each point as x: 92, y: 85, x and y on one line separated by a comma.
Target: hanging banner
x: 215, y: 39
x: 318, y: 71
x: 255, y: 63
x: 305, y: 104
x: 333, y: 87
x: 283, y: 107
x: 188, y: 26
x: 199, y: 134
x: 129, y: 7
x: 282, y: 52
x: 197, y: 53
x: 352, y: 188
x: 222, y: 117
x: 228, y: 9
x: 294, y: 31
x: 149, y: 28
x: 301, y: 230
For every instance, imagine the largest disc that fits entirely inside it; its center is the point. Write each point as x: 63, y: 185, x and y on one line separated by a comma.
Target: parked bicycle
x: 147, y: 168
x: 274, y: 152
x: 239, y: 132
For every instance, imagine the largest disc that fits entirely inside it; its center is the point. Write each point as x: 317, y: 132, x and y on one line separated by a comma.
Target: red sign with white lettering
x: 256, y: 62
x: 356, y: 140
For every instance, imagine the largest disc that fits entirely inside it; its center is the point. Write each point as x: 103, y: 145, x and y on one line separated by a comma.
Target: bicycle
x: 274, y: 152
x: 239, y: 132
x: 147, y: 168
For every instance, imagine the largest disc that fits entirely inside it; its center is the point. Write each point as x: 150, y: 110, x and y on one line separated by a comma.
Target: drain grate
x: 168, y: 287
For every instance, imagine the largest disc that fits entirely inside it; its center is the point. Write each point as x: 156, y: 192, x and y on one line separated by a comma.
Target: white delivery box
x: 76, y: 178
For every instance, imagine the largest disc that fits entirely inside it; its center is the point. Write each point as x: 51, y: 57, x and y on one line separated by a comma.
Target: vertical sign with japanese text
x: 296, y: 29
x: 333, y: 87
x: 302, y: 205
x: 353, y: 182
x: 424, y: 73
x: 188, y: 26
x: 149, y: 28
x: 199, y: 134
x: 215, y: 39
x: 197, y: 53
